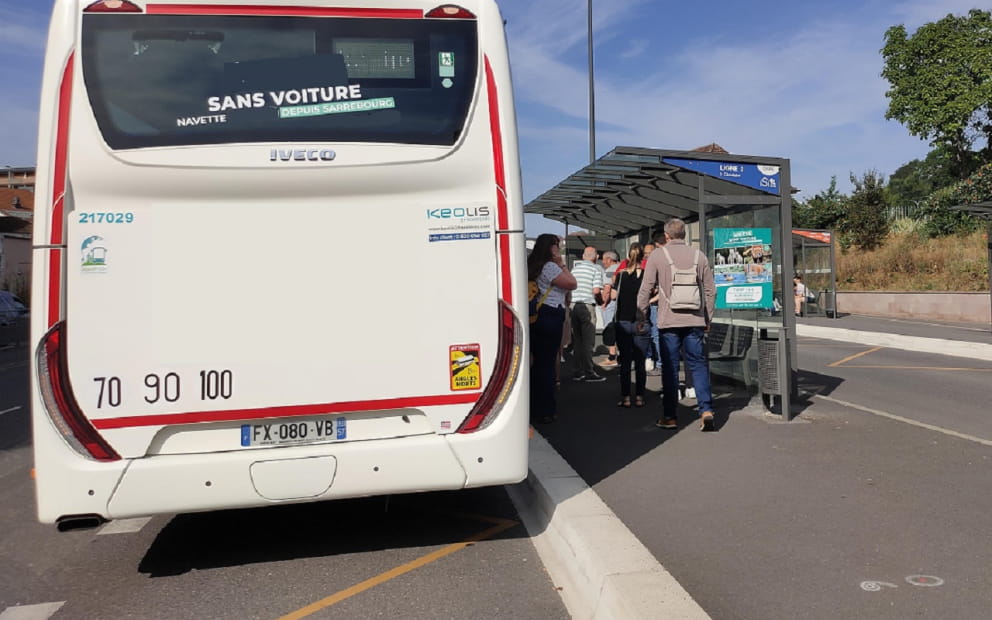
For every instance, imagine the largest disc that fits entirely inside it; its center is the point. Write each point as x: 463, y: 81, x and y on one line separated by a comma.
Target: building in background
x: 16, y: 216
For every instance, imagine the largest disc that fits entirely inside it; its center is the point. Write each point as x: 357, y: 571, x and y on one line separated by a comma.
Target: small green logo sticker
x: 446, y: 64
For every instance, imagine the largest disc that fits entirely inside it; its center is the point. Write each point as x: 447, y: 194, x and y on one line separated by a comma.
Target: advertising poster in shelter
x: 742, y: 267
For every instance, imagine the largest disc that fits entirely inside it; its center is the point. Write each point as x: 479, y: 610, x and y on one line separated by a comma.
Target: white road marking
x: 124, y: 526
x: 899, y: 418
x: 42, y: 611
x: 876, y: 586
x: 11, y: 410
x: 926, y: 581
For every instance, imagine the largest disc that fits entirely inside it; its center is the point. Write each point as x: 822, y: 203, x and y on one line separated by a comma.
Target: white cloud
x: 813, y: 95
x: 634, y: 49
x: 915, y: 13
x: 22, y: 32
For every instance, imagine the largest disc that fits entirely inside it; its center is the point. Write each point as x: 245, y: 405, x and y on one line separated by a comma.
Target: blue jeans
x: 633, y: 349
x: 654, y: 347
x: 545, y: 341
x: 675, y: 340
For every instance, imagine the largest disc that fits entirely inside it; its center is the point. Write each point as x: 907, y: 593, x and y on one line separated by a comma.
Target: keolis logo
x: 457, y: 212
x: 302, y: 155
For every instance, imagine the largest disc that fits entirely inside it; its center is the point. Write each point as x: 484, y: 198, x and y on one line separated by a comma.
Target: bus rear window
x: 163, y: 80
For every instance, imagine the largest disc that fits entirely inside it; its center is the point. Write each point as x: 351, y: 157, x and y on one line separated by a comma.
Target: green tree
x: 866, y: 224
x: 940, y: 82
x: 914, y: 181
x: 824, y: 210
x: 940, y: 220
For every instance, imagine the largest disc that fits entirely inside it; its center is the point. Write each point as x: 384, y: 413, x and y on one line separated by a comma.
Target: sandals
x: 638, y: 401
x: 625, y: 402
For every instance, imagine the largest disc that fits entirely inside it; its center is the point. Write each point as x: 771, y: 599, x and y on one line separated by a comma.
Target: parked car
x: 11, y: 308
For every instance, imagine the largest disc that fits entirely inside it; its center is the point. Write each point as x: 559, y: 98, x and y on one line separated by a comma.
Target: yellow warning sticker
x: 466, y: 368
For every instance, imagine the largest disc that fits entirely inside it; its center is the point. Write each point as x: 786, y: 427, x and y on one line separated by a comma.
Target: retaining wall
x: 956, y: 307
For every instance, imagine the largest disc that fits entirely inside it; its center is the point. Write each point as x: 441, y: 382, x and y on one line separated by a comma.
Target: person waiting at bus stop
x: 589, y: 276
x: 681, y: 330
x: 632, y: 344
x: 547, y: 268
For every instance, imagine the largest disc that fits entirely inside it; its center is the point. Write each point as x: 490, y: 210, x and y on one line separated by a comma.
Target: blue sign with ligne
x: 757, y: 176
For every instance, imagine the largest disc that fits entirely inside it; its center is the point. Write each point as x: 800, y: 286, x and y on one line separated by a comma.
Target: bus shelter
x: 737, y: 214
x: 815, y: 261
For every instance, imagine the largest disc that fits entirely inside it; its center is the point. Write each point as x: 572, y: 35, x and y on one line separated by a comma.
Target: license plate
x: 294, y: 432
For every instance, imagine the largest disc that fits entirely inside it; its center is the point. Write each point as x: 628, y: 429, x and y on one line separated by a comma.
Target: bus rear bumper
x: 264, y: 477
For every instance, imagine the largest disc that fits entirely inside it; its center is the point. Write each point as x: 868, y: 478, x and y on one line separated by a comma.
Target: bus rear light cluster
x: 509, y: 351
x: 112, y: 6
x: 60, y: 403
x: 450, y: 11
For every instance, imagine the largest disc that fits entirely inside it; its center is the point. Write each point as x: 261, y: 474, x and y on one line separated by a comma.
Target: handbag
x: 533, y: 303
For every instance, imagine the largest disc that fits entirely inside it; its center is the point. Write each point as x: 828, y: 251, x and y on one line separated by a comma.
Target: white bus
x: 278, y: 255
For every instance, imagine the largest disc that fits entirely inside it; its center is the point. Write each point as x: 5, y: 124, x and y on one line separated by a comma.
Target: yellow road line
x: 396, y: 572
x: 920, y: 368
x: 855, y: 356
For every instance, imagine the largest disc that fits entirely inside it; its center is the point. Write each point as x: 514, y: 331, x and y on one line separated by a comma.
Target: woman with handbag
x: 546, y: 267
x: 632, y: 344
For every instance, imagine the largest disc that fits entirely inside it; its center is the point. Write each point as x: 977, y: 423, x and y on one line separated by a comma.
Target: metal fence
x: 903, y: 212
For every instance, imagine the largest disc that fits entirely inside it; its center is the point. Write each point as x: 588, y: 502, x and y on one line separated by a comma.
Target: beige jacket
x: 659, y: 272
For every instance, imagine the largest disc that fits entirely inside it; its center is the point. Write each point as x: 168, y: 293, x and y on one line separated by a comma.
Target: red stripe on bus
x: 497, y: 146
x: 504, y: 260
x: 500, y: 172
x: 291, y: 411
x: 283, y: 11
x: 54, y: 286
x: 61, y: 152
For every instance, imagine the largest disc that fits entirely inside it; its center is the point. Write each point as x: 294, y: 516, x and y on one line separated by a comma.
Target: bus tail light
x: 493, y: 398
x: 450, y: 11
x: 53, y: 379
x: 112, y: 6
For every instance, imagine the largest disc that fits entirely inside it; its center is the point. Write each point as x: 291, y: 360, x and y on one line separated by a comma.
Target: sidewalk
x: 811, y: 497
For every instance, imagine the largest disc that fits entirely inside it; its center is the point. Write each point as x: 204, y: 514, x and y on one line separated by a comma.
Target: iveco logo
x: 302, y: 155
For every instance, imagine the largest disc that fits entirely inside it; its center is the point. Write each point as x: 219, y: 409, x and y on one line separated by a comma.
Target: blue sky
x: 798, y: 80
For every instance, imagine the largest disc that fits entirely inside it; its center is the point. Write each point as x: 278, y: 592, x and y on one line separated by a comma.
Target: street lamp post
x: 592, y: 89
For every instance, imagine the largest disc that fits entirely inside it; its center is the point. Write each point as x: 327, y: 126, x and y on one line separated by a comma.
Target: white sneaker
x: 648, y: 364
x: 690, y: 393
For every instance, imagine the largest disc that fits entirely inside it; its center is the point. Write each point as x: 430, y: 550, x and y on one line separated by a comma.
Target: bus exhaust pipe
x: 79, y: 522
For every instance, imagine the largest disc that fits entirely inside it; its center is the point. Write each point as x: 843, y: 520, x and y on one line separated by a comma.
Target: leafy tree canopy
x: 940, y: 220
x: 915, y: 180
x: 824, y: 210
x: 940, y: 82
x: 866, y: 223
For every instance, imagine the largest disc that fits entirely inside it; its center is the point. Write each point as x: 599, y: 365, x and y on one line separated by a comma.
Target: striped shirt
x: 589, y: 276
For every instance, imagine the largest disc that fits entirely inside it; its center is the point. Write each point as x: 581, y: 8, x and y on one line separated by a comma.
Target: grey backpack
x: 685, y: 286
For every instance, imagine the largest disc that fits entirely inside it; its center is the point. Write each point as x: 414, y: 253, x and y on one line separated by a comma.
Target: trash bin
x: 768, y: 379
x: 828, y: 301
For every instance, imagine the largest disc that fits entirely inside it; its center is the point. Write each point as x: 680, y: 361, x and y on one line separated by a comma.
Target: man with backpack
x: 686, y: 299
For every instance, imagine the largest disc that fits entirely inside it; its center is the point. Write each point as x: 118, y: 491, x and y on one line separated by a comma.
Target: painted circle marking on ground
x: 876, y: 586
x: 924, y: 581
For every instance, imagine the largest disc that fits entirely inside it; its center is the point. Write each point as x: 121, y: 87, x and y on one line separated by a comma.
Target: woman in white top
x: 546, y: 266
x: 800, y: 292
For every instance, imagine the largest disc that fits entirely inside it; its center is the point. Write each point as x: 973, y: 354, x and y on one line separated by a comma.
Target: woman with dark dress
x: 546, y: 266
x: 633, y: 346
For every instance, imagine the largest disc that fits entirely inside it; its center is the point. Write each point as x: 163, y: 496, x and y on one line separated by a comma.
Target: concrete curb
x: 602, y: 571
x: 956, y: 348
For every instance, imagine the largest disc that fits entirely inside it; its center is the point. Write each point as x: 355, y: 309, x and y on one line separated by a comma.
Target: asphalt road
x: 874, y: 503
x: 427, y: 556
